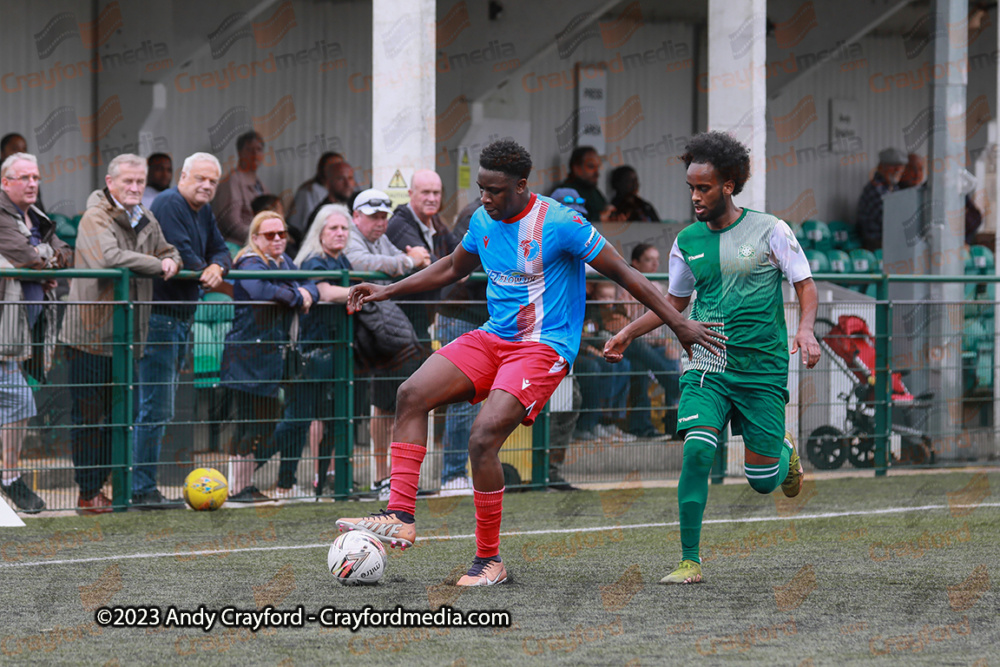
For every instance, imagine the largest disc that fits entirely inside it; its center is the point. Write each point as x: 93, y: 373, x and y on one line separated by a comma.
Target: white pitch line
x: 515, y: 533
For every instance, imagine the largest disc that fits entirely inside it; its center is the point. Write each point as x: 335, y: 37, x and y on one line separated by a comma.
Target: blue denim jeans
x: 158, y: 370
x: 459, y: 416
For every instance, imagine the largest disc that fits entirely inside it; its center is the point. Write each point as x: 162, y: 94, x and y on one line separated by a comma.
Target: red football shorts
x: 527, y: 370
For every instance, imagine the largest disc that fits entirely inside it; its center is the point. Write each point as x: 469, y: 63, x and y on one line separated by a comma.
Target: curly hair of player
x: 507, y: 157
x: 729, y: 157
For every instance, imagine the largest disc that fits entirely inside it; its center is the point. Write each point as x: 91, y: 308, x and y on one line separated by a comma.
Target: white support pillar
x: 736, y: 56
x: 404, y: 86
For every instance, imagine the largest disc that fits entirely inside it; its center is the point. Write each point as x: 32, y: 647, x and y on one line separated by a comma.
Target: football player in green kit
x: 734, y: 258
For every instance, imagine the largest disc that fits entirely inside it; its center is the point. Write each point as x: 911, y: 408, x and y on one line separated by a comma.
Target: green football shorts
x: 754, y: 405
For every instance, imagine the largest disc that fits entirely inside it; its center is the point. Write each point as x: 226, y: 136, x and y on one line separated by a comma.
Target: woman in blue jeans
x: 253, y: 361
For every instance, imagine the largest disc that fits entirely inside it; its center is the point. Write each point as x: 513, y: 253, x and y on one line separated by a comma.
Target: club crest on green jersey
x: 746, y: 251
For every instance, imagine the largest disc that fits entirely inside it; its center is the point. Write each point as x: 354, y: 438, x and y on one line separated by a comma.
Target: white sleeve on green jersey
x: 681, y: 276
x: 786, y: 254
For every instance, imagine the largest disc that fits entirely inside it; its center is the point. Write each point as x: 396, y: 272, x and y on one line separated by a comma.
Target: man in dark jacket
x: 189, y: 225
x: 418, y: 224
x: 27, y: 241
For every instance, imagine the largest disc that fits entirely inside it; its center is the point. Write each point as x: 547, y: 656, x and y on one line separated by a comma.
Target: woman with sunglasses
x: 253, y: 360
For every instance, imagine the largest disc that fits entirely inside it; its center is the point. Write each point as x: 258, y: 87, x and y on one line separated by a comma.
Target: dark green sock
x: 692, y: 490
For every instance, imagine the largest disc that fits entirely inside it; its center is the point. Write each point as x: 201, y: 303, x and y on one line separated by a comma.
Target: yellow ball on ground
x: 206, y: 489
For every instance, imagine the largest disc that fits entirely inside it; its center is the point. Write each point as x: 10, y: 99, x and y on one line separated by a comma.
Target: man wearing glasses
x: 27, y: 241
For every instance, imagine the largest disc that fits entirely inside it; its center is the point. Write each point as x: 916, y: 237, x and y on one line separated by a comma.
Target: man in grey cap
x: 868, y: 222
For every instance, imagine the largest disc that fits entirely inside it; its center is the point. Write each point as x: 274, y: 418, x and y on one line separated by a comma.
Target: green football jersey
x: 737, y: 273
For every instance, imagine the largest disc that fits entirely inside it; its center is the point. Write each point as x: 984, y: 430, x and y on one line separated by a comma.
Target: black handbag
x: 383, y: 332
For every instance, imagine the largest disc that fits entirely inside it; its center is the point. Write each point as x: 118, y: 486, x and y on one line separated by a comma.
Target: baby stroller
x: 852, y: 348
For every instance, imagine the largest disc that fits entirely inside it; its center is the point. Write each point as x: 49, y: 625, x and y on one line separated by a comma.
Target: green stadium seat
x: 233, y: 248
x: 818, y: 234
x: 818, y: 263
x: 878, y: 259
x: 982, y: 260
x: 863, y: 261
x: 839, y: 260
x: 842, y: 235
x: 66, y: 227
x: 214, y: 307
x: 208, y: 346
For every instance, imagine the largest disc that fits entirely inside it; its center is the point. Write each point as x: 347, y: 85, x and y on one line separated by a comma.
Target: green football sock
x: 692, y: 490
x: 766, y: 478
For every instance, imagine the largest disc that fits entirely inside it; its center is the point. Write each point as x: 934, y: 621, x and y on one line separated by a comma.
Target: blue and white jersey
x: 535, y: 264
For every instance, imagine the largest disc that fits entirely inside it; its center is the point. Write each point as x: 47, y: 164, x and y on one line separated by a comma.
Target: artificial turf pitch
x: 850, y: 573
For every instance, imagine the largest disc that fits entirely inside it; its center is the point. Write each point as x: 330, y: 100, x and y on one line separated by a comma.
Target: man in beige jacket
x: 115, y: 232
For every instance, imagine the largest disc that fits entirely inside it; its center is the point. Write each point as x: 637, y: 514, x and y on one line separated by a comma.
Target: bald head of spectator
x: 425, y: 194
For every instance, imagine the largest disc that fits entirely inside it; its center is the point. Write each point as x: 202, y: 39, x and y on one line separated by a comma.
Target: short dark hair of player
x: 246, y: 138
x: 264, y: 203
x: 321, y: 165
x: 580, y: 154
x: 7, y: 138
x: 729, y: 157
x: 507, y: 157
x: 159, y: 156
x: 640, y: 250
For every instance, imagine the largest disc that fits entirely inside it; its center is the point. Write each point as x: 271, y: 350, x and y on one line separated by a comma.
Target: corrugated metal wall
x: 297, y: 71
x: 806, y: 177
x: 45, y: 95
x: 650, y: 107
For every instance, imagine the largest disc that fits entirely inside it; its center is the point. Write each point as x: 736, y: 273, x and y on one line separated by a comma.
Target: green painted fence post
x: 343, y: 402
x: 540, y: 450
x: 883, y: 376
x: 122, y: 367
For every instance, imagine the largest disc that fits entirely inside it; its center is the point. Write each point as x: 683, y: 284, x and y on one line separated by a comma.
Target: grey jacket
x: 381, y: 255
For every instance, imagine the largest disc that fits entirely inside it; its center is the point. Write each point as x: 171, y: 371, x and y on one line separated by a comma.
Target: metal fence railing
x: 902, y: 382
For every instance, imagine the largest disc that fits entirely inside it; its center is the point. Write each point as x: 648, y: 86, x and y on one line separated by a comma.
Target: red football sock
x: 489, y: 511
x: 406, y: 460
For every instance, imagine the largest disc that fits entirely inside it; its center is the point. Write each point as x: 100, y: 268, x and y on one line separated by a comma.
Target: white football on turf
x: 356, y: 558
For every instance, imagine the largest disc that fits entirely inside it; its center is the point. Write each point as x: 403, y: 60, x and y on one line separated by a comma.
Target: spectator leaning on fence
x: 115, y: 232
x: 27, y: 241
x: 310, y: 400
x: 232, y: 200
x: 257, y: 347
x: 189, y: 225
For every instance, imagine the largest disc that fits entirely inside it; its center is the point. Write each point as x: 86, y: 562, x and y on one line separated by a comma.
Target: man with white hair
x: 189, y: 224
x: 115, y: 232
x: 27, y: 241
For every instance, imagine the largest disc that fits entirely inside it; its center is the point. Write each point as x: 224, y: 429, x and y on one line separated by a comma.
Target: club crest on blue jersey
x: 530, y: 249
